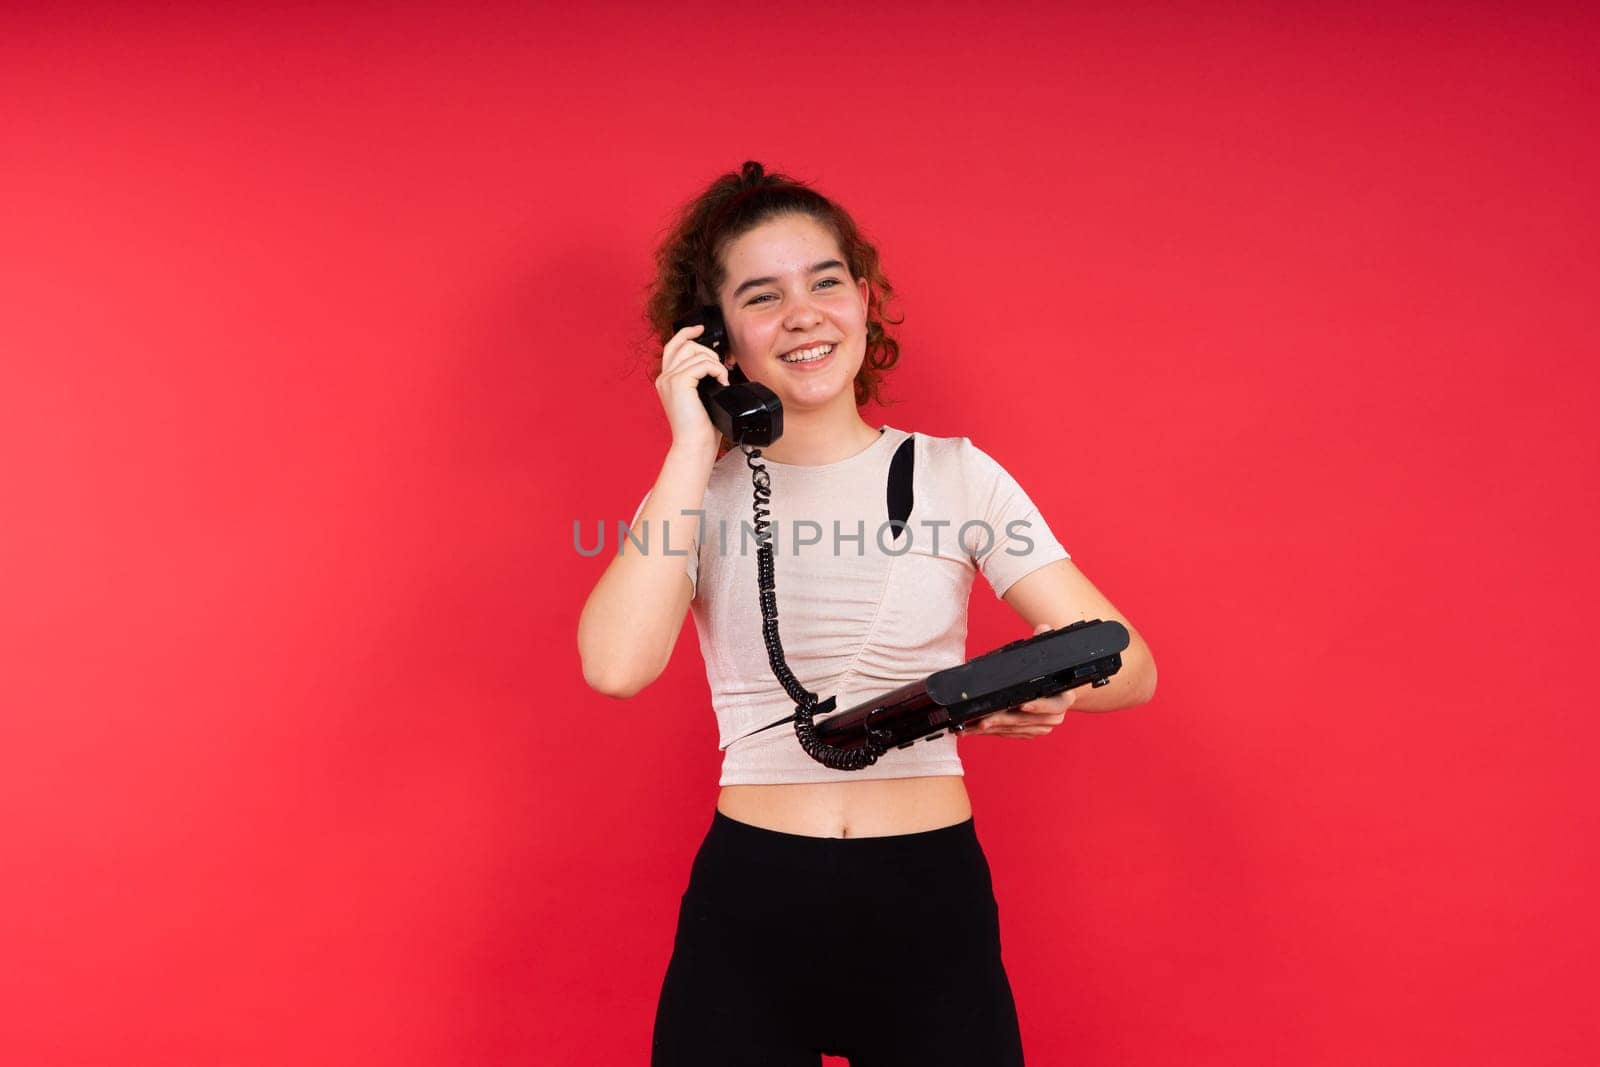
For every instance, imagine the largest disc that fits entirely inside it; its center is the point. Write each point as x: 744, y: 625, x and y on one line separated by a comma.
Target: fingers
x: 1052, y: 710
x: 691, y: 365
x: 689, y: 356
x: 1033, y: 719
x: 1012, y: 731
x: 677, y: 343
x: 682, y: 357
x: 1006, y: 721
x: 699, y: 367
x: 683, y: 344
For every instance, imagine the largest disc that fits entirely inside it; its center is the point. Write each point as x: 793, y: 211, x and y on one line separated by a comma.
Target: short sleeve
x: 1005, y: 535
x: 680, y: 536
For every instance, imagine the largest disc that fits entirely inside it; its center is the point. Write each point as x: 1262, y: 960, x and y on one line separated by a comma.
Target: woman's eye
x: 831, y: 283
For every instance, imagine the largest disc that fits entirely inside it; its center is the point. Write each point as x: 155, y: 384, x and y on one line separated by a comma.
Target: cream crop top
x: 860, y: 611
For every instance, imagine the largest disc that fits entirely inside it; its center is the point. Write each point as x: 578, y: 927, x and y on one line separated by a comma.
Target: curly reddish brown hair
x: 690, y: 273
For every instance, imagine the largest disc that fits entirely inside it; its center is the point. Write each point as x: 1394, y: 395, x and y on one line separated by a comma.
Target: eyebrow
x: 753, y: 282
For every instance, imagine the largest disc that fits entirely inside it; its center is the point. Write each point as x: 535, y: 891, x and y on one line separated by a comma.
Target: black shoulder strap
x: 900, y: 485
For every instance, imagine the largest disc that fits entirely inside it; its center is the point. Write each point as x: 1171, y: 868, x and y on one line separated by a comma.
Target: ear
x: 865, y: 290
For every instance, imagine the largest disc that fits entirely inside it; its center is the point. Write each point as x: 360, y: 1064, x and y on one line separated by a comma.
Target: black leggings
x: 885, y: 950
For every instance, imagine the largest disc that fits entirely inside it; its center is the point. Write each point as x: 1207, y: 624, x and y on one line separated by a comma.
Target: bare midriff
x: 874, y: 808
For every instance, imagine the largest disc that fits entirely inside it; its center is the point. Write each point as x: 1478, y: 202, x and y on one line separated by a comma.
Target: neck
x: 811, y: 439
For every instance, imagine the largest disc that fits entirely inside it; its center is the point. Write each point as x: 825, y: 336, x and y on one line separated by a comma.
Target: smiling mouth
x: 808, y: 355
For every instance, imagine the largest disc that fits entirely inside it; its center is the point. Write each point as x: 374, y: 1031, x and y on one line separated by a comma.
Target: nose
x: 802, y: 314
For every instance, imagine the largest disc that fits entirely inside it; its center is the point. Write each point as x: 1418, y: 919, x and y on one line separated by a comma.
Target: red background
x: 318, y: 331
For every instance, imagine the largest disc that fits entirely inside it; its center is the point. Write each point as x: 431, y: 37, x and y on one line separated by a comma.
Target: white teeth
x: 808, y: 354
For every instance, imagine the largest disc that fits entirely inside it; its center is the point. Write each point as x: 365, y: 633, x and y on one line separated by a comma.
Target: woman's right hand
x: 683, y: 364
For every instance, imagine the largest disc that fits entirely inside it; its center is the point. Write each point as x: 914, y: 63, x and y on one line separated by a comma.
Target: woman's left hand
x: 1033, y: 719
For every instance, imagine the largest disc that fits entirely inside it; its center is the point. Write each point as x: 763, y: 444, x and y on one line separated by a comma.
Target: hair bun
x: 752, y: 174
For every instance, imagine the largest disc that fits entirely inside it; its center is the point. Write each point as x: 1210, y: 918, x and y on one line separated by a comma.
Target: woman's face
x: 788, y: 289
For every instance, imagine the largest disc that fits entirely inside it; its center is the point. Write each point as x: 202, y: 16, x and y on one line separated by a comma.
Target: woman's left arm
x: 1058, y: 594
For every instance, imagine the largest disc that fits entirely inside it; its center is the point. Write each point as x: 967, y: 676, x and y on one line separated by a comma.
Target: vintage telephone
x: 751, y: 416
x: 746, y: 412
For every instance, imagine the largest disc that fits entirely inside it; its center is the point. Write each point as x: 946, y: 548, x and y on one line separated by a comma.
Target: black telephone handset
x: 746, y: 412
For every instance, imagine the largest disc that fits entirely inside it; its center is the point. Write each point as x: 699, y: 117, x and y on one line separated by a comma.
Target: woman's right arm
x: 631, y: 621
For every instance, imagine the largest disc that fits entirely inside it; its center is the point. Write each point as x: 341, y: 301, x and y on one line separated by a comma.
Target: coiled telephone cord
x: 806, y: 704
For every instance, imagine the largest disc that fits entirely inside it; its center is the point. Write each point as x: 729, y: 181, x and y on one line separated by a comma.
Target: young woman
x: 846, y: 912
